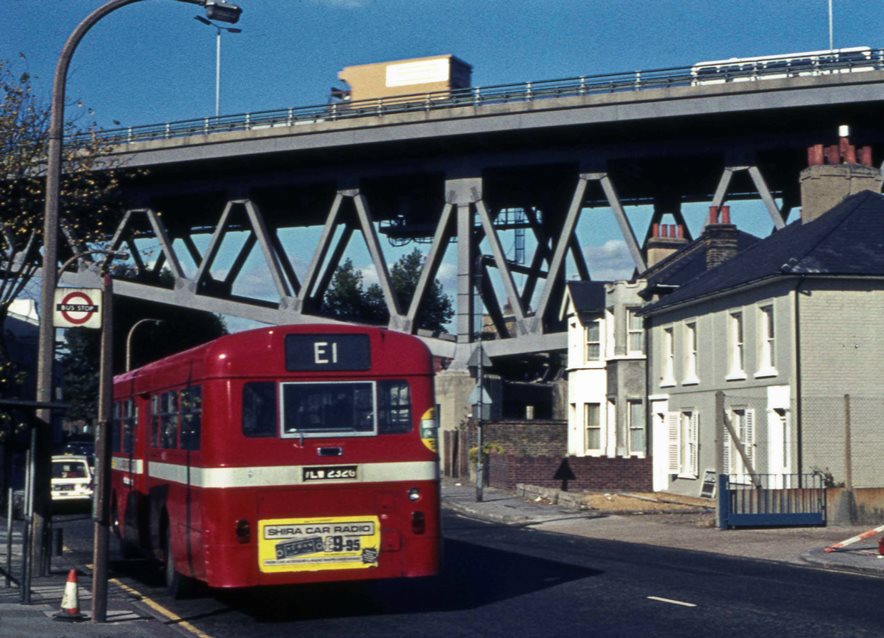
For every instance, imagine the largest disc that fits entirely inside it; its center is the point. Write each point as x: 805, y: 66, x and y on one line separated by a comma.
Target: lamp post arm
x: 129, y: 339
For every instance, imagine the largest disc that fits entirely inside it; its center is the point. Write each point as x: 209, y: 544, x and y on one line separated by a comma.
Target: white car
x: 72, y: 478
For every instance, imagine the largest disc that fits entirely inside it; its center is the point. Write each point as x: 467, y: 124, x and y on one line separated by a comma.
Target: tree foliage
x: 88, y: 190
x: 349, y: 300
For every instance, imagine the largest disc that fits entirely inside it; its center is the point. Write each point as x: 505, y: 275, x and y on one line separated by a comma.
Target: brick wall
x: 535, y: 453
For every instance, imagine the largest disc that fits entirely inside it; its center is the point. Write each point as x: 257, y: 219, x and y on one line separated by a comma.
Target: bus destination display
x: 315, y: 352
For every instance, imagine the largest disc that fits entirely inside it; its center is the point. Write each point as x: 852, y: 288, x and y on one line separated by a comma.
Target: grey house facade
x: 788, y: 336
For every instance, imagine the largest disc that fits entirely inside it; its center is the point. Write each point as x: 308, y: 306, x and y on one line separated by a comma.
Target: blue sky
x: 152, y: 61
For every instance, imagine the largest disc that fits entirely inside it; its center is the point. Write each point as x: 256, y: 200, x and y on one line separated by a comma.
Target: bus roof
x: 261, y: 353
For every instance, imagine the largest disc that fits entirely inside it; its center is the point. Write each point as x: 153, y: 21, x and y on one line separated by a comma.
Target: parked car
x: 82, y: 448
x: 72, y: 478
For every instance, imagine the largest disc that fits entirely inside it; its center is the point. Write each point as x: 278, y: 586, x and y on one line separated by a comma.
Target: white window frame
x: 736, y: 346
x: 667, y: 374
x: 684, y: 443
x: 691, y: 361
x: 767, y: 356
x: 743, y: 421
x: 595, y: 324
x: 633, y: 331
x: 632, y: 427
x: 598, y: 425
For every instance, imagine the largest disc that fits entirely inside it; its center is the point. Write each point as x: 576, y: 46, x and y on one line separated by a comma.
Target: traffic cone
x: 70, y: 606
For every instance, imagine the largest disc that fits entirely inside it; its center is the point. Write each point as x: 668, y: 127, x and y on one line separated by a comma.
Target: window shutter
x: 695, y: 443
x: 672, y: 424
x: 749, y: 443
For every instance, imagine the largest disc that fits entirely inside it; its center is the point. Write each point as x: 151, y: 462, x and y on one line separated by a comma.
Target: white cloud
x: 610, y: 261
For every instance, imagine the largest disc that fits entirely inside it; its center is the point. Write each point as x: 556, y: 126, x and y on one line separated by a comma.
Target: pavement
x: 128, y: 613
x: 693, y: 529
x: 133, y: 616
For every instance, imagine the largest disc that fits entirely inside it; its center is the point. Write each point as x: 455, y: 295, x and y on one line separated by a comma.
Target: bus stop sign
x: 77, y: 308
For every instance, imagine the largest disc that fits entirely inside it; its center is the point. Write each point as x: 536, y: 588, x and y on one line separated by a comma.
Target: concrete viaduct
x: 449, y: 172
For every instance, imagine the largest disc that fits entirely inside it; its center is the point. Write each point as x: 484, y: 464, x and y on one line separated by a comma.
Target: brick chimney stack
x: 834, y: 173
x: 720, y: 236
x: 665, y: 239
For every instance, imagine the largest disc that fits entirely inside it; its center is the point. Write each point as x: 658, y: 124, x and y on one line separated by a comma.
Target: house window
x: 736, y: 346
x: 743, y: 424
x: 593, y: 424
x: 593, y: 341
x: 635, y: 332
x: 668, y: 358
x: 781, y: 417
x: 766, y: 342
x: 684, y: 432
x: 690, y: 353
x: 636, y: 415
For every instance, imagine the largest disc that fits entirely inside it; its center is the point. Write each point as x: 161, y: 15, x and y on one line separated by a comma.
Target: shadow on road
x: 472, y: 576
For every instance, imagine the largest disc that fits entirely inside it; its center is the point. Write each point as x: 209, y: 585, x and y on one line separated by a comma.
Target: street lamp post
x: 140, y: 322
x: 218, y: 29
x: 215, y: 9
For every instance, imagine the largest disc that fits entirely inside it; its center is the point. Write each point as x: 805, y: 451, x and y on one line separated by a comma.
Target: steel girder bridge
x: 461, y: 176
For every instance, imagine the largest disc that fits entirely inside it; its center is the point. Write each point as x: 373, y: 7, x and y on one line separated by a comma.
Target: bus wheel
x: 178, y: 585
x: 126, y: 549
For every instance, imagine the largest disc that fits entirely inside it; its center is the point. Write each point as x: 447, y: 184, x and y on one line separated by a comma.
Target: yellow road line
x: 178, y: 620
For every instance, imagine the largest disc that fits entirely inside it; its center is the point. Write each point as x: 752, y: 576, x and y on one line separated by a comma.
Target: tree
x: 347, y: 299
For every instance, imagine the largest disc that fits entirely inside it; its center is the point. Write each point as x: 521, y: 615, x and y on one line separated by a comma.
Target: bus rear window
x: 342, y: 408
x: 355, y: 408
x: 259, y: 408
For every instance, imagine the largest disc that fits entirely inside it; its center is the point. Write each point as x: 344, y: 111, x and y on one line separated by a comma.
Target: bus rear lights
x: 418, y: 522
x: 243, y: 532
x: 414, y: 495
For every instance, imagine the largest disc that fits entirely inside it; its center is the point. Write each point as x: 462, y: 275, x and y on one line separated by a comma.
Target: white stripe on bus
x: 124, y: 464
x: 270, y: 476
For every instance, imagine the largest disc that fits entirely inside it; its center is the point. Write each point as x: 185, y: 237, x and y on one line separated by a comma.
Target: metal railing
x: 771, y: 500
x: 478, y: 97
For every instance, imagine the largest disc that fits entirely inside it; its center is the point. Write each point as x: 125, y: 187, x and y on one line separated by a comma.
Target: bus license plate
x: 316, y: 544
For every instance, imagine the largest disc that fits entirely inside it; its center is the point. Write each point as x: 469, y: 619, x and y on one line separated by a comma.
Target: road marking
x: 178, y: 620
x: 671, y: 602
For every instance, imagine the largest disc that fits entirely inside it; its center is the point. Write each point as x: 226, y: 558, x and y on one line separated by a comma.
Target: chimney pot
x: 725, y: 214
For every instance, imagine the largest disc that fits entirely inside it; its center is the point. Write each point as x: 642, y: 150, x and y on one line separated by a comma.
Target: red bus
x: 291, y: 454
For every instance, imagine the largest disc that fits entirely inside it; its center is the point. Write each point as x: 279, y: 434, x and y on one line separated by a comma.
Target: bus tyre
x: 177, y: 584
x: 126, y: 549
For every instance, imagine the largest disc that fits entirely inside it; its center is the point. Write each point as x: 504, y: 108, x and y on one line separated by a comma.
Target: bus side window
x: 259, y: 409
x: 169, y: 420
x: 191, y: 416
x: 130, y: 418
x: 116, y: 424
x: 394, y: 407
x: 155, y: 420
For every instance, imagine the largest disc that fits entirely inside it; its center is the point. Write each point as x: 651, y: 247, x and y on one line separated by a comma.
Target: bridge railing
x: 478, y: 97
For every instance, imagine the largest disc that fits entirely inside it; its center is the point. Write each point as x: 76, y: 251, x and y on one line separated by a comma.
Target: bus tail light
x: 414, y: 494
x: 418, y: 522
x: 243, y: 533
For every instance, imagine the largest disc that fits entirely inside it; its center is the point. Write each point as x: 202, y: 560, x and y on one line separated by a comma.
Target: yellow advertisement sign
x: 316, y: 544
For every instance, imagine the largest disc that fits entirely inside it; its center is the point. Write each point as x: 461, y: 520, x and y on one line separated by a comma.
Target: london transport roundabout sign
x: 77, y: 308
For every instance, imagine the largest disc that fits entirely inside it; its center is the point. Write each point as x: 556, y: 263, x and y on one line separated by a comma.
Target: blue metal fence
x: 771, y: 500
x: 476, y: 97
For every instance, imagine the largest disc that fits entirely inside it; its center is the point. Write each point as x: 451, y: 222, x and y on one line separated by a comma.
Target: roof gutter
x: 724, y: 292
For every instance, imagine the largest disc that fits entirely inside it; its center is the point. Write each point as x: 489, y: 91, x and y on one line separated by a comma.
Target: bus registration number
x: 317, y: 544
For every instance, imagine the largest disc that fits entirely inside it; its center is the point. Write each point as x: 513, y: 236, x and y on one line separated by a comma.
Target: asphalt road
x: 509, y: 581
